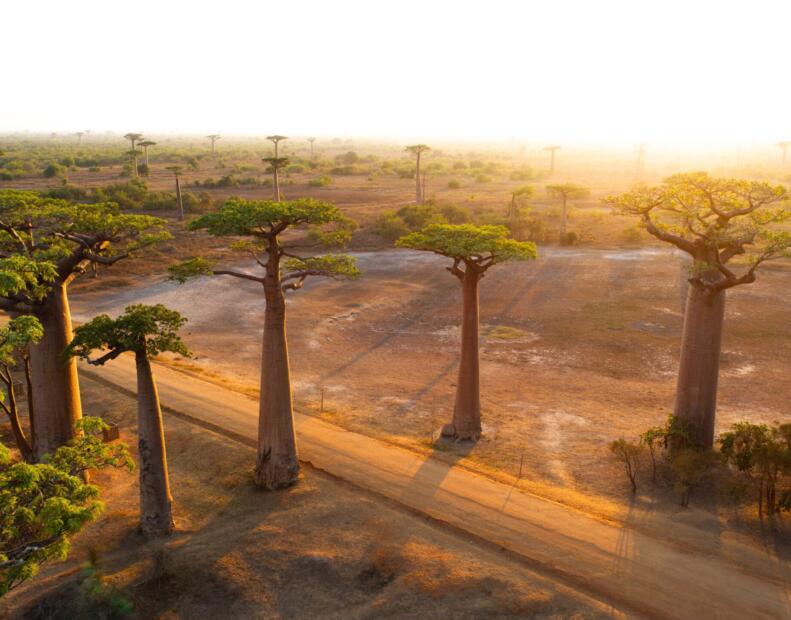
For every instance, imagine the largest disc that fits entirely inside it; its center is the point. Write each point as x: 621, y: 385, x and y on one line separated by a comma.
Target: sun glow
x: 619, y: 72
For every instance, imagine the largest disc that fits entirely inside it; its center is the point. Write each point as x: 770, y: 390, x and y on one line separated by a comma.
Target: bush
x: 52, y: 170
x: 454, y: 214
x: 295, y: 169
x: 66, y: 192
x: 483, y: 178
x: 453, y: 184
x: 630, y: 455
x: 761, y: 455
x: 343, y: 170
x: 321, y: 181
x: 348, y: 159
x: 391, y: 226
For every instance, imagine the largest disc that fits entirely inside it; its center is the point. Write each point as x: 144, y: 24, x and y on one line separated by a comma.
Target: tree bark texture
x: 54, y: 380
x: 467, y: 409
x: 156, y: 503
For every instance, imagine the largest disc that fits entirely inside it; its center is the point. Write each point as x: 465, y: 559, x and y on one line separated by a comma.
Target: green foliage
x: 391, y: 226
x: 454, y: 184
x: 567, y: 191
x: 141, y: 328
x: 467, y: 242
x: 328, y: 265
x: 191, y: 268
x: 258, y: 217
x: 762, y: 456
x: 348, y: 159
x: 717, y: 220
x: 20, y: 275
x: 19, y: 333
x: 43, y: 505
x: 320, y: 181
x: 52, y: 170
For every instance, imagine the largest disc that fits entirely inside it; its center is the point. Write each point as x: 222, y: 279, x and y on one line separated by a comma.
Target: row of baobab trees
x: 728, y: 227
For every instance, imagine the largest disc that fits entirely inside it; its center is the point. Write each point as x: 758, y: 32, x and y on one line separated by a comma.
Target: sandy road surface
x: 635, y: 573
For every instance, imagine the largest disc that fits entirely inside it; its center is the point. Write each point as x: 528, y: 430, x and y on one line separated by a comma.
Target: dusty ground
x: 323, y: 549
x: 578, y: 348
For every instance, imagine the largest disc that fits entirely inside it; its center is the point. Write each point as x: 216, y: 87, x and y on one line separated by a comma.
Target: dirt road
x: 614, y: 562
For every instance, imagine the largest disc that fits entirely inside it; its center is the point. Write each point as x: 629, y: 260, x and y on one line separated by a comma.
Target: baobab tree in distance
x: 133, y: 152
x: 275, y: 165
x: 79, y: 135
x: 783, y: 146
x: 213, y: 137
x: 552, y: 150
x: 60, y: 240
x: 311, y: 141
x: 565, y: 192
x: 145, y: 331
x: 264, y: 224
x: 275, y: 140
x: 715, y: 221
x: 417, y: 150
x: 145, y: 144
x: 473, y: 249
x: 176, y: 170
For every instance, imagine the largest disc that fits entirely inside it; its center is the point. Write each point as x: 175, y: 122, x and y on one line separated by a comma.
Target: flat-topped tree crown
x: 476, y: 246
x: 140, y: 329
x: 718, y: 221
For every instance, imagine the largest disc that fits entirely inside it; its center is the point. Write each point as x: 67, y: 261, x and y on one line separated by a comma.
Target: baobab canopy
x: 487, y: 245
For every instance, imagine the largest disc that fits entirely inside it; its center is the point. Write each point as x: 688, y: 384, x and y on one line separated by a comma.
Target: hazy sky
x: 574, y: 71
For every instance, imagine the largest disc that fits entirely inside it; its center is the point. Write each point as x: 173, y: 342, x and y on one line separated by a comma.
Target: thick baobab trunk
x: 277, y: 465
x: 179, y: 203
x: 698, y: 373
x: 54, y: 380
x: 418, y: 193
x: 467, y: 409
x: 156, y: 503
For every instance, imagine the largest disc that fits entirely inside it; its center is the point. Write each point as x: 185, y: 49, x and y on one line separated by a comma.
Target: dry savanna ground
x: 322, y: 550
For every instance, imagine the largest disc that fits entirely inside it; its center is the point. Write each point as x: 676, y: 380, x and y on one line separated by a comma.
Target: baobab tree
x: 552, y: 150
x: 133, y: 152
x: 264, y: 224
x: 783, y: 146
x: 473, y: 249
x: 565, y: 192
x: 213, y: 137
x: 79, y: 135
x: 275, y: 140
x: 417, y: 150
x: 729, y: 227
x: 275, y: 165
x: 311, y: 141
x: 176, y: 170
x: 145, y: 331
x: 60, y: 241
x: 145, y: 144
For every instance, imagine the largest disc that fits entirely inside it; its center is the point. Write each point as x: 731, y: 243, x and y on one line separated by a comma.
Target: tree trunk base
x: 278, y: 473
x: 161, y: 525
x: 459, y: 434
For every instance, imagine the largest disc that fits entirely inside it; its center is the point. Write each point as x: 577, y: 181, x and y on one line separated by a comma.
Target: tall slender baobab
x: 275, y: 140
x: 71, y: 236
x: 311, y: 141
x: 213, y: 137
x: 417, y: 150
x: 176, y: 170
x: 133, y: 152
x: 79, y: 135
x: 565, y: 192
x: 276, y: 164
x: 145, y: 331
x: 783, y: 146
x: 552, y: 150
x: 714, y: 221
x: 145, y: 144
x: 473, y: 249
x: 263, y: 223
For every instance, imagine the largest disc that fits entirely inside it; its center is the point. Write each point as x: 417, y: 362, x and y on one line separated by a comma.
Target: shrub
x: 52, y: 170
x: 295, y: 169
x: 391, y: 226
x: 762, y: 457
x: 453, y: 184
x: 343, y: 170
x: 66, y: 192
x: 419, y: 216
x: 348, y: 159
x: 321, y: 181
x: 454, y: 214
x: 629, y: 454
x: 483, y: 178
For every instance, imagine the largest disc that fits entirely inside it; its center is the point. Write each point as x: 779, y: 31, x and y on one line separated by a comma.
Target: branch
x: 237, y: 274
x: 100, y: 361
x: 679, y: 242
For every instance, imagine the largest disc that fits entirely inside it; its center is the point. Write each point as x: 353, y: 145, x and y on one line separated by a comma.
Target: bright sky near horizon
x: 586, y: 71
